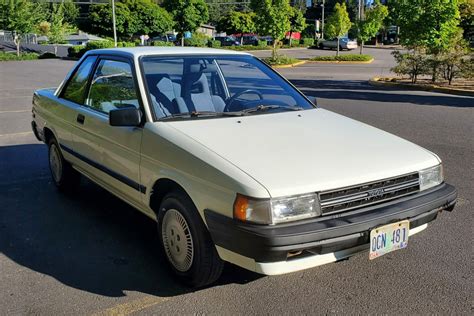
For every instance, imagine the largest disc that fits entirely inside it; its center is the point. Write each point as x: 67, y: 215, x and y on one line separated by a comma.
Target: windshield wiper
x: 262, y: 107
x: 199, y: 114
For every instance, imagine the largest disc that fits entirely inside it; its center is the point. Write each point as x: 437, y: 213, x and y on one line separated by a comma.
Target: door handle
x: 80, y: 119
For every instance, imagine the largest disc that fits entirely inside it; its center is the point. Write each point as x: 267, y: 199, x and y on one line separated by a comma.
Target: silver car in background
x: 344, y: 43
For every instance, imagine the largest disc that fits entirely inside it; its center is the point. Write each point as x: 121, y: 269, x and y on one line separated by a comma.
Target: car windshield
x: 218, y: 86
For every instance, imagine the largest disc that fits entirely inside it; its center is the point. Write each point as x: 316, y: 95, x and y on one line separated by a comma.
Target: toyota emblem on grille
x: 375, y: 193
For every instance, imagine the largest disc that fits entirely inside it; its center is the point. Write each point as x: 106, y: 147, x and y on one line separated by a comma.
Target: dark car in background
x: 227, y: 40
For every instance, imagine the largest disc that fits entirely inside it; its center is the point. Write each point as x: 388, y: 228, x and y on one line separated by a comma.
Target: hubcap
x: 55, y: 163
x: 177, y: 240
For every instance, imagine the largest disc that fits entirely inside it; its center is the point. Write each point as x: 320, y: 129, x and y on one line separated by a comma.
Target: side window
x: 76, y: 87
x: 112, y: 87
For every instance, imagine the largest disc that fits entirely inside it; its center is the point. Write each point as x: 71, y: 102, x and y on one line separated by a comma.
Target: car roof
x: 136, y: 52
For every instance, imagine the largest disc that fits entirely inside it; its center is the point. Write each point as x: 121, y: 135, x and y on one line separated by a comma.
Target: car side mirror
x: 313, y: 100
x: 125, y: 117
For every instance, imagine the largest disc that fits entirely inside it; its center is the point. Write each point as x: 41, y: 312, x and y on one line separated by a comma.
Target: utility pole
x: 113, y: 23
x: 322, y: 21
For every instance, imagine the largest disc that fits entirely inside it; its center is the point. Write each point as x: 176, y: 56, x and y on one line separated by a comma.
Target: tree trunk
x: 337, y: 52
x: 274, y: 51
x: 361, y: 46
x: 291, y: 35
x: 241, y: 39
x: 16, y: 40
x: 182, y: 39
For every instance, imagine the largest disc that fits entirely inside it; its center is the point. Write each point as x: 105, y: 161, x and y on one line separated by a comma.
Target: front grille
x: 349, y: 198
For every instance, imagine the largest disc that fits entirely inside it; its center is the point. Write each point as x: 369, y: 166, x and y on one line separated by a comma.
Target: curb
x: 340, y: 62
x: 377, y: 83
x: 290, y: 65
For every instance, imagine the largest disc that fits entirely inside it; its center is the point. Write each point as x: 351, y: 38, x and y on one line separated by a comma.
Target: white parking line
x: 16, y: 111
x: 16, y: 134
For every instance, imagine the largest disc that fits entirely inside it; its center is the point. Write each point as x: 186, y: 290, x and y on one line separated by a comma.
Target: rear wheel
x: 186, y: 242
x: 64, y: 176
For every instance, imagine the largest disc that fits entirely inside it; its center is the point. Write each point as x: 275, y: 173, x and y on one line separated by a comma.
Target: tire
x: 64, y: 176
x: 186, y: 242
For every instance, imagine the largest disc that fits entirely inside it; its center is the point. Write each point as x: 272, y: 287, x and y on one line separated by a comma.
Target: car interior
x: 198, y: 89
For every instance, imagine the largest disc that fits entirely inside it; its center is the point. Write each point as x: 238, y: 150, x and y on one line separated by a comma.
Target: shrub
x: 467, y: 68
x: 76, y: 51
x: 12, y: 56
x: 280, y: 60
x: 262, y: 43
x: 197, y: 40
x: 348, y: 57
x: 247, y: 47
x: 162, y: 43
x: 47, y: 55
x: 126, y: 44
x: 307, y: 41
x: 214, y: 44
x: 99, y: 45
x: 411, y: 64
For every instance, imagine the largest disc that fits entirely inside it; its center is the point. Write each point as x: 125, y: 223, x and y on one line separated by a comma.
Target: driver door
x: 115, y: 161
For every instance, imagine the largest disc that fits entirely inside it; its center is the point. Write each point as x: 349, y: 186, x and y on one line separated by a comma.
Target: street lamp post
x: 113, y: 23
x: 322, y: 21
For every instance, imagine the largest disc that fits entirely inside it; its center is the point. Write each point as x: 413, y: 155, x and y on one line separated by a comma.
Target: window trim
x: 131, y: 63
x: 73, y: 73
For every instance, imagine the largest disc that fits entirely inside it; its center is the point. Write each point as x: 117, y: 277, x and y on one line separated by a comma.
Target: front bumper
x: 344, y: 232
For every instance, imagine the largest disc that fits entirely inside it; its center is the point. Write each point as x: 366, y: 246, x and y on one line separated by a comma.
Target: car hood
x: 307, y: 151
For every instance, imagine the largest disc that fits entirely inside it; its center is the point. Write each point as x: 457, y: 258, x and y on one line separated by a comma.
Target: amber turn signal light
x: 240, y: 207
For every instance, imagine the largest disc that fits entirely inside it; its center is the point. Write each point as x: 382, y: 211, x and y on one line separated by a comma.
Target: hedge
x: 280, y: 60
x: 348, y: 57
x: 78, y: 50
x: 307, y: 41
x: 12, y: 56
x: 262, y: 43
x: 214, y: 44
x: 162, y: 43
x: 47, y: 55
x: 196, y: 41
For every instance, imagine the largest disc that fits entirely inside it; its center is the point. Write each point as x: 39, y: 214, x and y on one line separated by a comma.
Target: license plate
x: 388, y: 238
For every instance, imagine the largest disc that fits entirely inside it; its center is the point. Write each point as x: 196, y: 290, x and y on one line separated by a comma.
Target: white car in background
x: 233, y: 162
x: 344, y: 43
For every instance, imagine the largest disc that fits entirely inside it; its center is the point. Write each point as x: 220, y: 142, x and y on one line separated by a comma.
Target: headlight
x: 431, y: 177
x: 274, y: 211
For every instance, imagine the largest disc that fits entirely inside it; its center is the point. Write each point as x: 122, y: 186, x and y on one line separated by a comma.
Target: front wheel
x: 186, y: 242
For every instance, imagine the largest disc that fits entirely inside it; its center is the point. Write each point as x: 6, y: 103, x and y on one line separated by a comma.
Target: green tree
x: 69, y: 8
x: 59, y: 27
x: 297, y: 21
x: 21, y: 17
x: 133, y: 17
x: 272, y: 18
x: 427, y: 24
x: 369, y: 27
x: 188, y: 15
x: 338, y: 24
x: 221, y: 8
x: 466, y: 10
x: 238, y: 22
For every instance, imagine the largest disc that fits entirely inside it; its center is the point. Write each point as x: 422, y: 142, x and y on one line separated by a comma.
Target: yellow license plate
x: 388, y: 238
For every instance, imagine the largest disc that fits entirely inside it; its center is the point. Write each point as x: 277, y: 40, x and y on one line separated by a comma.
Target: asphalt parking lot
x: 90, y: 253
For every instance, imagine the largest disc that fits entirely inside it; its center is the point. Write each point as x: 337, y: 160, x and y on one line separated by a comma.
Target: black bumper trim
x: 267, y: 243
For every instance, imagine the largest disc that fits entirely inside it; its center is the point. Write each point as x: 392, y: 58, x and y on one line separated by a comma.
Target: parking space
x: 90, y: 253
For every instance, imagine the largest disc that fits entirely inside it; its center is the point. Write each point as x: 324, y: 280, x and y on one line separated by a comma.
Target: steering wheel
x: 237, y: 95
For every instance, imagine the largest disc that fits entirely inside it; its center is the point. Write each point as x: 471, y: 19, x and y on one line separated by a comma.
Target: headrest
x: 201, y: 68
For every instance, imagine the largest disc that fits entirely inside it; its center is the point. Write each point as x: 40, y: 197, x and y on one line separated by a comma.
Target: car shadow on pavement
x: 361, y: 90
x: 89, y: 240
